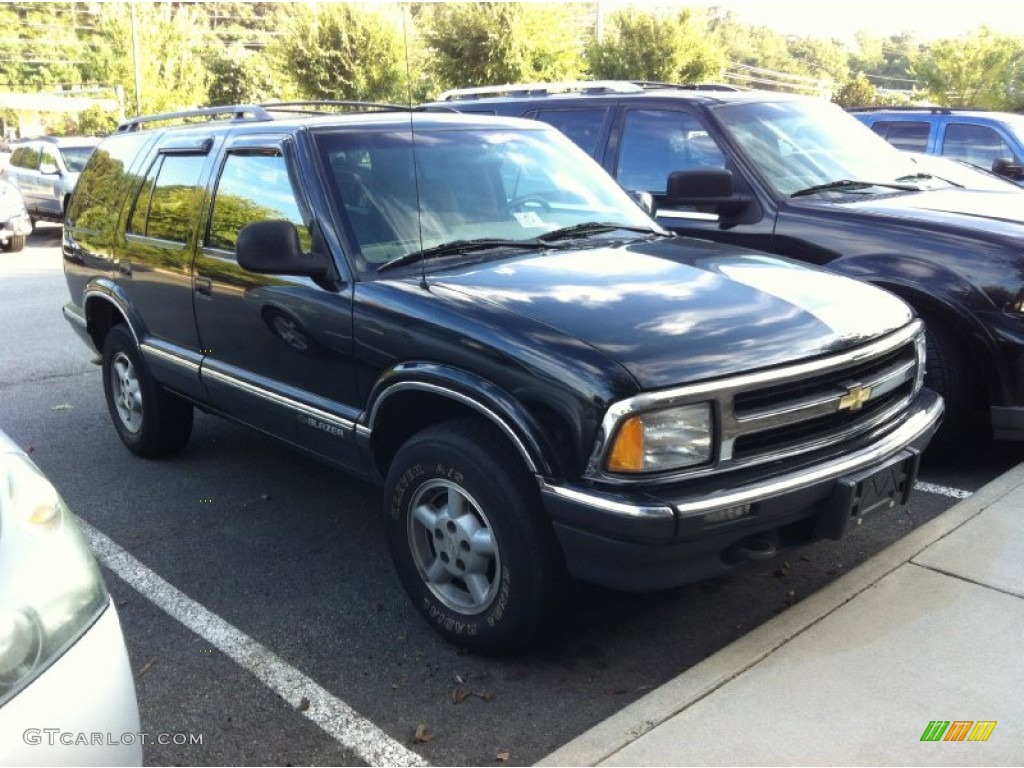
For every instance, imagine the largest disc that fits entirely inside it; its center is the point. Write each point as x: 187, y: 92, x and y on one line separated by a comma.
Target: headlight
x: 51, y: 590
x: 656, y: 441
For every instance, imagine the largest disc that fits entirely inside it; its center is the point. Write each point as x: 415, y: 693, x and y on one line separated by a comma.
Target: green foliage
x: 640, y: 45
x: 240, y: 76
x: 171, y: 44
x: 983, y: 69
x: 472, y: 44
x: 344, y: 51
x: 856, y: 92
x: 96, y: 121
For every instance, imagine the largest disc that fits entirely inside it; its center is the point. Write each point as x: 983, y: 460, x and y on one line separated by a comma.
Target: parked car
x: 799, y: 177
x: 67, y: 694
x: 990, y: 140
x: 473, y: 314
x: 46, y: 170
x: 15, y: 224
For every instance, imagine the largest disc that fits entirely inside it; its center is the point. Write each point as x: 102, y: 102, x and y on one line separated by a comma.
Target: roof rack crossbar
x: 238, y: 112
x: 541, y: 89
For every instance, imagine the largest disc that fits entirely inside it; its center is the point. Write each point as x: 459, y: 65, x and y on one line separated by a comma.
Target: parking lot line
x: 942, y: 490
x: 368, y: 742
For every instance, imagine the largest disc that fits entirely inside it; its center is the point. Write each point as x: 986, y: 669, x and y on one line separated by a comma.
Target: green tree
x: 96, y: 121
x: 473, y: 44
x: 38, y: 45
x: 172, y: 38
x: 824, y: 59
x: 640, y: 45
x: 983, y: 69
x: 344, y: 51
x: 856, y: 92
x: 240, y: 76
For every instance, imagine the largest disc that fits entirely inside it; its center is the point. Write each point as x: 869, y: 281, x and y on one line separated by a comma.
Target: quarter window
x: 583, y: 126
x: 908, y: 135
x: 164, y: 206
x: 253, y: 187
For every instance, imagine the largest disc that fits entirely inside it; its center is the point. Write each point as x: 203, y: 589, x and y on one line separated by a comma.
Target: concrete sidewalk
x: 931, y: 629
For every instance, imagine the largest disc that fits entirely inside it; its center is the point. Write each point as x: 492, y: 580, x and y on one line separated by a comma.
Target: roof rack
x: 237, y: 113
x: 929, y: 110
x: 541, y: 89
x: 254, y: 112
x: 309, y: 107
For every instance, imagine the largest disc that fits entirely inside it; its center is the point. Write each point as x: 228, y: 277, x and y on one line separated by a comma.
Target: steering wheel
x: 532, y: 202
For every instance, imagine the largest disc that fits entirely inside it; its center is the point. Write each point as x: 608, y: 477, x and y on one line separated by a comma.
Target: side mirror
x: 709, y: 187
x: 272, y: 248
x: 1008, y: 168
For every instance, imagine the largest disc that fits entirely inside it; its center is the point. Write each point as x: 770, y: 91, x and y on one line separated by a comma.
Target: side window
x: 26, y: 157
x: 48, y: 161
x: 656, y: 143
x: 977, y: 144
x: 18, y: 158
x: 165, y: 203
x: 583, y: 126
x: 100, y: 190
x: 252, y: 187
x: 908, y: 135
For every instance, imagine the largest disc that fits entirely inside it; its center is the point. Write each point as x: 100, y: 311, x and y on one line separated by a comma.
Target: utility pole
x: 135, y: 61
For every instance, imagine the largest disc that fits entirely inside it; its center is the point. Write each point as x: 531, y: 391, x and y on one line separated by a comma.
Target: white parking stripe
x: 941, y: 490
x: 334, y: 716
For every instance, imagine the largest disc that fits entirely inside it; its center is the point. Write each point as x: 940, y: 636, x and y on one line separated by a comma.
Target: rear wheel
x: 150, y: 421
x: 468, y: 538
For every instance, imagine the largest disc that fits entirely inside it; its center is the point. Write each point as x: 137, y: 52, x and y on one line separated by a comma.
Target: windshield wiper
x: 928, y: 177
x: 588, y: 228
x: 851, y: 184
x: 456, y: 247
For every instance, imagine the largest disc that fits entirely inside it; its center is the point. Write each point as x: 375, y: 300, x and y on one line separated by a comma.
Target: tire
x: 15, y: 243
x: 948, y: 373
x: 150, y: 421
x: 485, y: 571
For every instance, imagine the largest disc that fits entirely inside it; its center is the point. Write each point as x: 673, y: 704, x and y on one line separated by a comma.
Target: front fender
x: 522, y: 428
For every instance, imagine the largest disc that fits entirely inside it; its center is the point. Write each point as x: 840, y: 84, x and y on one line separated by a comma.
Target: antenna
x: 412, y: 135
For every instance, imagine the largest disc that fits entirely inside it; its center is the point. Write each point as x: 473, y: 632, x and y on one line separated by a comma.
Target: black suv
x: 799, y: 177
x: 471, y: 312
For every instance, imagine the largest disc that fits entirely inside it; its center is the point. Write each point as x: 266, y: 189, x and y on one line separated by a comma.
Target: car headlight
x: 656, y: 441
x: 51, y: 589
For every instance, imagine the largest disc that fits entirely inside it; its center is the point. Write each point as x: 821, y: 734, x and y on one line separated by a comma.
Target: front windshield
x: 799, y: 144
x: 398, y: 196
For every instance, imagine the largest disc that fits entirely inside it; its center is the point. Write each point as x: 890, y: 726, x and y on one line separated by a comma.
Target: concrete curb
x: 629, y: 724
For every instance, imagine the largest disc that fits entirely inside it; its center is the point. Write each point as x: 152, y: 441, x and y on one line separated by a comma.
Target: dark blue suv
x: 991, y: 140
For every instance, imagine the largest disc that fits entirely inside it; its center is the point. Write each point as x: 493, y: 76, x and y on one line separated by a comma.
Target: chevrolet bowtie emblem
x: 854, y: 398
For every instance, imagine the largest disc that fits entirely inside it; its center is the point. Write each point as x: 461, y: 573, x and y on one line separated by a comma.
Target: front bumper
x: 652, y: 539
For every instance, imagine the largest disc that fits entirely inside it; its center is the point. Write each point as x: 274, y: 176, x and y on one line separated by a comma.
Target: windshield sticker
x: 528, y: 219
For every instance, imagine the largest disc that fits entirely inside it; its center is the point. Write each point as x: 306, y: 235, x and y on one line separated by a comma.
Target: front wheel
x: 150, y: 421
x: 468, y: 538
x: 15, y: 243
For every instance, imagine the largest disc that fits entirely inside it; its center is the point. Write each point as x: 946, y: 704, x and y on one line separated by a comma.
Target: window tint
x: 99, y: 192
x: 583, y: 126
x: 977, y: 144
x: 75, y: 158
x: 910, y: 135
x: 252, y: 187
x: 655, y: 143
x: 163, y: 208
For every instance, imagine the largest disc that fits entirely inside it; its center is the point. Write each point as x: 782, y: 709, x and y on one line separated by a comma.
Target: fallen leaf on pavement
x: 422, y: 735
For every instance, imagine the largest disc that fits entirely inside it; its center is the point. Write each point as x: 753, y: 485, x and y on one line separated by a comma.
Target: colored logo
x: 958, y: 730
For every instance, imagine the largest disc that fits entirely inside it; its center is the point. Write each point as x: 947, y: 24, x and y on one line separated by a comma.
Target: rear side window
x: 165, y: 203
x: 253, y: 187
x: 25, y: 157
x: 101, y: 188
x: 909, y: 135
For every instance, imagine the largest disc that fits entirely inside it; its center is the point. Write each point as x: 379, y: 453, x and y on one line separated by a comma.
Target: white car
x: 15, y: 224
x: 67, y: 696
